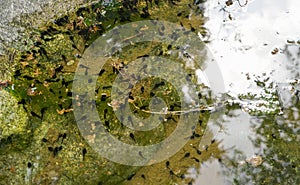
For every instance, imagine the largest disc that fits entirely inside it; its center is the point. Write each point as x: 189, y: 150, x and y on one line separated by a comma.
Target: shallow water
x: 250, y: 136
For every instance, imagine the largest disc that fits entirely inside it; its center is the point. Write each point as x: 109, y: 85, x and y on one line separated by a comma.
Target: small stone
x: 71, y: 62
x: 255, y: 160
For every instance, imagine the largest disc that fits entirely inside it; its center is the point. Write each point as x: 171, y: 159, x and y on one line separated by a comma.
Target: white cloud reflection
x: 244, y: 45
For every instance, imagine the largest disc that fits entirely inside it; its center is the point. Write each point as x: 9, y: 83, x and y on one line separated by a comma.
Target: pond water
x: 248, y: 134
x: 257, y: 41
x: 245, y: 43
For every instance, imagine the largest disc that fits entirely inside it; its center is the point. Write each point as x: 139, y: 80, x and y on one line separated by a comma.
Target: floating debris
x: 229, y: 3
x: 61, y: 112
x: 275, y: 51
x: 32, y: 91
x: 71, y: 62
x: 255, y: 160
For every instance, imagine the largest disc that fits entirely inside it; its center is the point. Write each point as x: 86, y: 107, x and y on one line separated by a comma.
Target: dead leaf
x: 61, y: 112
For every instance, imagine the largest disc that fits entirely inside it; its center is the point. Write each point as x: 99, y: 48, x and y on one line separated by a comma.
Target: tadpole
x: 84, y: 151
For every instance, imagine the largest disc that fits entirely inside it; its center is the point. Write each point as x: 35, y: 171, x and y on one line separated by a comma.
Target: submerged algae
x: 13, y: 117
x: 56, y: 153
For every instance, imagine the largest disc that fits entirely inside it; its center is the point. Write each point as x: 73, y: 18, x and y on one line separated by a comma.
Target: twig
x: 241, y: 4
x: 128, y: 38
x: 176, y: 112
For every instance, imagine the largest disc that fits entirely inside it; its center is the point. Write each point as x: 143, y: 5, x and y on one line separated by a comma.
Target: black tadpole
x: 141, y: 154
x: 197, y: 160
x: 64, y: 136
x: 56, y: 150
x: 132, y: 136
x: 130, y: 176
x: 168, y: 164
x: 187, y: 155
x: 84, y: 151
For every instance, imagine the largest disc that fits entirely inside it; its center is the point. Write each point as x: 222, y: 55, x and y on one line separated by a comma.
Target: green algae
x: 52, y: 151
x: 13, y: 116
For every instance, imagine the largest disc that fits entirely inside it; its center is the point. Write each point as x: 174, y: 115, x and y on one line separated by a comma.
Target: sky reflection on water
x: 245, y: 40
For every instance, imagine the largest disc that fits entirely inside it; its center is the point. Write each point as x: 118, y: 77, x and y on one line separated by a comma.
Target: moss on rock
x: 13, y: 117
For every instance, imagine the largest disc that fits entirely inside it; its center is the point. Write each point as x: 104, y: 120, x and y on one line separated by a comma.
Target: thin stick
x: 241, y: 4
x: 175, y: 112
